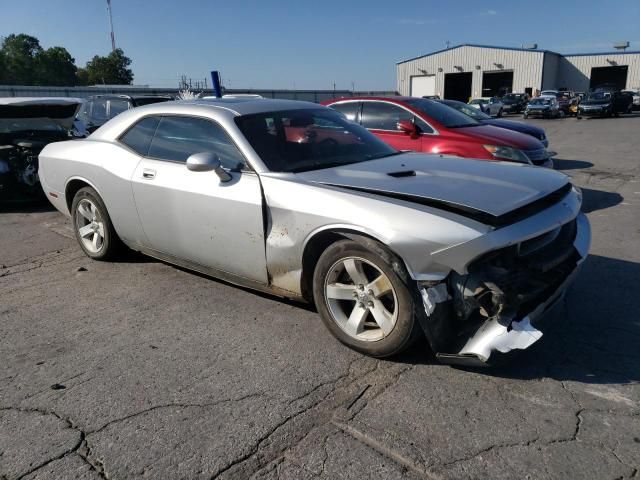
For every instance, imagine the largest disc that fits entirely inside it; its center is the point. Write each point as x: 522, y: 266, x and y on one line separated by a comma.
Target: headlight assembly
x: 507, y: 153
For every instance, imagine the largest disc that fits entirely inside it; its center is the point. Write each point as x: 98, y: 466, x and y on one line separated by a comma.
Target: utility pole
x: 113, y: 38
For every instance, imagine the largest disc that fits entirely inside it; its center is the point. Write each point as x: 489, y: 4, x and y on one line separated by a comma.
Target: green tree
x: 111, y: 69
x: 20, y: 52
x: 3, y: 69
x: 56, y: 66
x: 82, y: 76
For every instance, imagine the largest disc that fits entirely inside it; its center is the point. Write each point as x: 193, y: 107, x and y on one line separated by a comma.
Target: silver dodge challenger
x: 293, y: 199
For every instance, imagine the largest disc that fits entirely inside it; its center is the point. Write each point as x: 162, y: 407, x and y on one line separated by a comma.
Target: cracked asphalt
x: 140, y: 369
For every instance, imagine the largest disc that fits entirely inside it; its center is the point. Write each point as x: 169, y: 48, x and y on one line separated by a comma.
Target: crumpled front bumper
x: 496, y: 335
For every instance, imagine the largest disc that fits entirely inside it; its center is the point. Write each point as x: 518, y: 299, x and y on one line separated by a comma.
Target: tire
x: 92, y: 225
x: 525, y: 116
x: 499, y: 113
x: 376, y: 298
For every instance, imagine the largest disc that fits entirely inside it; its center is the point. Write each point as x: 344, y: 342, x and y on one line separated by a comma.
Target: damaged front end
x: 27, y: 125
x: 499, y: 304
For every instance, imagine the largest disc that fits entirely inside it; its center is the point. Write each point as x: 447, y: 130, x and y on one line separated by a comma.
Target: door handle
x: 148, y: 173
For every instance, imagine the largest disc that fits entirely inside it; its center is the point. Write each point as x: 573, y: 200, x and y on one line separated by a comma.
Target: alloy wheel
x: 90, y: 225
x: 361, y: 299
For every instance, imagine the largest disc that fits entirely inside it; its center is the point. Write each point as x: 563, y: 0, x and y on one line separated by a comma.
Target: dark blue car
x: 476, y: 114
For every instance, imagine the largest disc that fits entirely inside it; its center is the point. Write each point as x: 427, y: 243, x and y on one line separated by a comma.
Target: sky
x: 306, y: 43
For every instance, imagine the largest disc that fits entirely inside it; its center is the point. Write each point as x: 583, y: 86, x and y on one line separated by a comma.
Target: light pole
x: 113, y: 38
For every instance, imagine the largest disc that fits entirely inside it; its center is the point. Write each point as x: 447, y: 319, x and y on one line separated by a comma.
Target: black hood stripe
x: 503, y: 220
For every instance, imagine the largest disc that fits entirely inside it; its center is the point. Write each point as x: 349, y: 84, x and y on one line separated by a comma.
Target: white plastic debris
x: 433, y: 295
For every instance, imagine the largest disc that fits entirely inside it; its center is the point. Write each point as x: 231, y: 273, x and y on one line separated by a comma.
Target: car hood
x: 532, y: 106
x: 492, y: 135
x: 517, y: 126
x: 61, y: 111
x: 493, y: 189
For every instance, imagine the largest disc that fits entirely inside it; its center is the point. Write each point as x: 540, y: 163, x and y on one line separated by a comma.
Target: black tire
x: 110, y: 244
x: 499, y: 113
x: 406, y: 329
x: 525, y: 116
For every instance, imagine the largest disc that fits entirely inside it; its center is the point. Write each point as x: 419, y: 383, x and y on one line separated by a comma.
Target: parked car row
x: 324, y: 205
x: 605, y: 101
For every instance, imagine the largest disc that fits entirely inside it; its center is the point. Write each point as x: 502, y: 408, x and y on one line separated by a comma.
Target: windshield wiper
x: 385, y: 155
x: 319, y: 166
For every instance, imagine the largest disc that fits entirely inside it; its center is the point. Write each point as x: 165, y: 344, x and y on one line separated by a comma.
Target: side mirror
x: 409, y: 128
x: 205, y: 162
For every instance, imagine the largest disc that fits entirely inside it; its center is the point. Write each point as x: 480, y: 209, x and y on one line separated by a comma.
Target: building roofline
x: 631, y: 52
x: 478, y: 46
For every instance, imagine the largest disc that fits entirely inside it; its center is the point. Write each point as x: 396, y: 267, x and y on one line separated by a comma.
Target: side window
x: 349, y: 109
x: 99, y: 110
x: 117, y: 106
x: 177, y: 138
x: 422, y: 125
x: 383, y: 116
x: 138, y: 137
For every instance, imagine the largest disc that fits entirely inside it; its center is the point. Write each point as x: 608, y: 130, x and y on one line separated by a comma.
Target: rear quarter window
x: 138, y: 138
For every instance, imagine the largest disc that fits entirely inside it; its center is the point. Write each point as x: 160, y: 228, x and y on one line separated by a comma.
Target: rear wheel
x: 499, y: 113
x: 364, y: 301
x: 92, y: 225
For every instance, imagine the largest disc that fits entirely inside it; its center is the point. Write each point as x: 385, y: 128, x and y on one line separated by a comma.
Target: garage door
x: 422, y: 86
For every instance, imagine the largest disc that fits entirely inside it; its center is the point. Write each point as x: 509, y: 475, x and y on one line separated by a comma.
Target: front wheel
x: 92, y: 225
x: 499, y: 113
x: 363, y: 300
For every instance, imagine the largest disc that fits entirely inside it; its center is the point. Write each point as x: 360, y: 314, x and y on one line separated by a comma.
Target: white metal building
x: 470, y: 71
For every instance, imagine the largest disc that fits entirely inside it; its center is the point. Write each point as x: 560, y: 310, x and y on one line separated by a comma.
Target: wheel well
x: 319, y: 243
x: 72, y: 188
x: 312, y: 251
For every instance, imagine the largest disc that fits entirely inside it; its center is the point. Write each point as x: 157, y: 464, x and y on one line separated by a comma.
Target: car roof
x: 127, y: 97
x: 219, y: 108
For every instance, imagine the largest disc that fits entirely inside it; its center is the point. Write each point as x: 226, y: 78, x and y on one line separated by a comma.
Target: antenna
x: 113, y: 38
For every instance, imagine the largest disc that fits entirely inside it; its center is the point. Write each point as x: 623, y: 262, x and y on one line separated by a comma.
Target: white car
x: 491, y: 106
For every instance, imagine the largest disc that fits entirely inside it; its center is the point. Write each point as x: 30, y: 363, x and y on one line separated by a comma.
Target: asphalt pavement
x: 138, y: 369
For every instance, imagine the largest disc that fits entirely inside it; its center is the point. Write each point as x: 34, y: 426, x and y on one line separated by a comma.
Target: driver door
x: 195, y: 216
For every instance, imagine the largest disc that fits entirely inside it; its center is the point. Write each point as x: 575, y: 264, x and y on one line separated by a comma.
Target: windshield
x: 309, y: 139
x: 600, y: 96
x: 541, y: 101
x: 20, y: 125
x: 446, y: 116
x: 478, y: 101
x: 513, y: 96
x: 467, y: 110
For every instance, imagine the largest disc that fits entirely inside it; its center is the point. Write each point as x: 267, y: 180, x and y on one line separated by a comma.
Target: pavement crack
x: 175, y: 405
x: 68, y: 424
x: 384, y: 450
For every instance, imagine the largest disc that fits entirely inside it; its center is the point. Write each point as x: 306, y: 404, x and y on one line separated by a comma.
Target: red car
x: 422, y: 125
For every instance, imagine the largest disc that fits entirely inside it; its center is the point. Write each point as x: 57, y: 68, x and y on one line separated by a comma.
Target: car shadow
x: 593, y: 200
x: 26, y: 206
x: 564, y: 164
x: 594, y: 339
